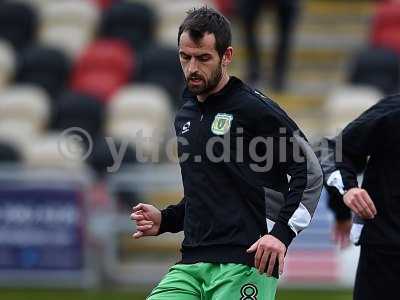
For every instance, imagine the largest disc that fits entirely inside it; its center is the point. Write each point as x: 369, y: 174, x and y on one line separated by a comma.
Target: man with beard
x: 251, y: 180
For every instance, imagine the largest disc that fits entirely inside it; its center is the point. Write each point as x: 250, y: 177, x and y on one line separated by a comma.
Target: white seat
x: 51, y: 151
x: 69, y: 25
x: 346, y: 103
x: 141, y: 102
x: 7, y: 63
x: 170, y: 15
x: 70, y: 39
x: 25, y: 103
x: 17, y: 132
x: 71, y: 12
x: 144, y: 136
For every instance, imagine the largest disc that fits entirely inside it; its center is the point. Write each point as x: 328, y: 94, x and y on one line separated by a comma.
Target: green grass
x: 40, y: 294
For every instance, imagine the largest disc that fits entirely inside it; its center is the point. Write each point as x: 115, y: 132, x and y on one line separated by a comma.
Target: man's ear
x: 227, y: 57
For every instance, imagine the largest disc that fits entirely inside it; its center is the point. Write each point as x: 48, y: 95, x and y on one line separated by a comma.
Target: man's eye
x: 184, y: 57
x: 204, y: 58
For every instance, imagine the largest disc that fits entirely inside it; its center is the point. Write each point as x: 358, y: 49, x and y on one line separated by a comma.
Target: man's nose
x: 192, y: 66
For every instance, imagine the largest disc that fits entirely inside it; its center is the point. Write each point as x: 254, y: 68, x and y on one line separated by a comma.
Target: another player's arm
x: 151, y: 221
x: 358, y: 141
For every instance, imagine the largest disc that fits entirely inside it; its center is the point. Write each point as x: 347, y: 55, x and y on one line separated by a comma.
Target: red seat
x: 226, y: 7
x: 103, y: 68
x: 103, y: 4
x: 386, y: 26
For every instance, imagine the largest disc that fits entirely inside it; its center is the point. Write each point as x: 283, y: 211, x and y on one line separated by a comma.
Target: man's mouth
x: 195, y: 79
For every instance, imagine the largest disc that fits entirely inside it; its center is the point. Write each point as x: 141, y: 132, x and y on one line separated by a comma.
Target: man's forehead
x: 206, y: 43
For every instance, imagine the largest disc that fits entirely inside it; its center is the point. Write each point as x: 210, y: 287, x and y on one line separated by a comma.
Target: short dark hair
x: 207, y: 20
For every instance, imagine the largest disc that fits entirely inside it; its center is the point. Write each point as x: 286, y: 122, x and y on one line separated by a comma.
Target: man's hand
x: 270, y: 247
x: 148, y: 220
x: 341, y: 233
x: 360, y: 203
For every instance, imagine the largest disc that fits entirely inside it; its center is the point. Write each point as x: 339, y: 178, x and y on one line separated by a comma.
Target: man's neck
x: 224, y: 80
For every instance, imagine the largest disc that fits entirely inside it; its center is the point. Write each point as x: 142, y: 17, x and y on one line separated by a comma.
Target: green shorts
x: 207, y: 281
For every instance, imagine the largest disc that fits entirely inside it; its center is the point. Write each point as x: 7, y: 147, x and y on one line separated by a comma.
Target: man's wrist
x: 283, y: 233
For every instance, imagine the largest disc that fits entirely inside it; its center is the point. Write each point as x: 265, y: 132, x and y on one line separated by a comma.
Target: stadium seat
x: 44, y: 66
x: 18, y: 23
x: 386, y: 26
x: 140, y: 111
x: 101, y: 159
x: 54, y: 151
x: 9, y: 153
x: 130, y: 21
x: 345, y: 103
x: 170, y: 15
x: 69, y: 25
x: 141, y: 102
x: 103, y: 68
x: 70, y: 39
x: 160, y: 65
x: 71, y: 12
x: 145, y: 137
x: 17, y: 132
x: 225, y: 6
x: 7, y: 63
x: 103, y: 4
x: 78, y: 110
x: 25, y: 104
x: 376, y: 67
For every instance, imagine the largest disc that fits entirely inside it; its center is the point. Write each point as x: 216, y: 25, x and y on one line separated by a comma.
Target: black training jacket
x: 232, y: 196
x: 370, y: 145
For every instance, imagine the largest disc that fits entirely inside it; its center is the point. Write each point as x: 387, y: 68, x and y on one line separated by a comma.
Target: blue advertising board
x: 41, y: 229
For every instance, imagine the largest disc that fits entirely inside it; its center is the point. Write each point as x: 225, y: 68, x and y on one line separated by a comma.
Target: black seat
x: 133, y: 22
x: 377, y: 67
x: 74, y: 109
x: 18, y: 23
x: 9, y: 153
x: 101, y: 158
x: 44, y: 66
x: 160, y: 65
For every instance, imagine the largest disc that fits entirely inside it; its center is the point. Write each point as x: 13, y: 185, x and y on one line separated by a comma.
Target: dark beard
x: 209, y: 85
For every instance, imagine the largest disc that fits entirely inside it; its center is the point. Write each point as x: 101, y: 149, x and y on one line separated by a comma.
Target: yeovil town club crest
x: 221, y: 124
